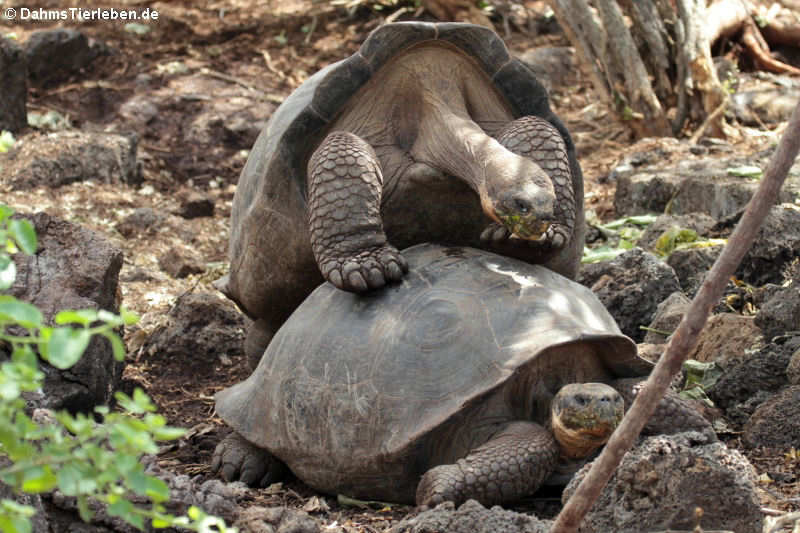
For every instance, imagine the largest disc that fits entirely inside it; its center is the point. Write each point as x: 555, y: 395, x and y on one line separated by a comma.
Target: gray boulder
x: 776, y: 246
x: 471, y: 517
x: 667, y: 317
x: 691, y: 186
x: 661, y: 482
x: 780, y: 313
x: 793, y: 369
x: 257, y: 519
x: 691, y: 266
x: 726, y: 339
x: 54, y: 54
x: 57, y: 159
x: 13, y: 86
x: 202, y: 327
x: 74, y: 268
x: 631, y: 286
x: 776, y: 422
x: 760, y: 371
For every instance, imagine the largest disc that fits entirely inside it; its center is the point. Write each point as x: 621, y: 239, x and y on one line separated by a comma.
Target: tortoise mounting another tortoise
x: 475, y: 377
x: 429, y: 132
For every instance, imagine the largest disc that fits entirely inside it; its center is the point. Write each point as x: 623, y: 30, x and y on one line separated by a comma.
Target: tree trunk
x: 651, y: 59
x: 658, y: 60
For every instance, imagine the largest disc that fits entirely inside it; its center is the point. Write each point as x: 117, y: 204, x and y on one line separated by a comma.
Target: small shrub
x: 91, y: 457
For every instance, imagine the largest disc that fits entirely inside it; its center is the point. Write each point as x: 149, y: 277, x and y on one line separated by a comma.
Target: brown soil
x: 260, y: 51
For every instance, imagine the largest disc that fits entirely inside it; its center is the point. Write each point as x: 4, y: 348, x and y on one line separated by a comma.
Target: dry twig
x: 685, y: 337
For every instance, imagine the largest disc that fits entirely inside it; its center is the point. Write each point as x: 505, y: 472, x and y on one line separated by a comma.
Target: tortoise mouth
x: 525, y: 227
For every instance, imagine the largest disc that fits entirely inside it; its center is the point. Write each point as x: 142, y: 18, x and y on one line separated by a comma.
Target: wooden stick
x: 685, y: 337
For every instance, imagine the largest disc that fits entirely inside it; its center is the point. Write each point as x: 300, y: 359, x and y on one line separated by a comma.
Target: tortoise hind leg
x: 512, y: 464
x: 236, y: 458
x: 345, y: 185
x: 672, y: 415
x: 259, y: 335
x: 540, y: 141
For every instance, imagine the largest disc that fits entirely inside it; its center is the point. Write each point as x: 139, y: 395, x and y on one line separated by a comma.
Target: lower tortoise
x: 478, y: 376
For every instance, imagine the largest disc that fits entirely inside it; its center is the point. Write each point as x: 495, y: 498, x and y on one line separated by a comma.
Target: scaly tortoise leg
x: 512, y: 464
x: 537, y: 139
x: 347, y: 238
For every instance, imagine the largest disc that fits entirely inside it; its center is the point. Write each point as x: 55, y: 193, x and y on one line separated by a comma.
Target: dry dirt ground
x: 233, y: 51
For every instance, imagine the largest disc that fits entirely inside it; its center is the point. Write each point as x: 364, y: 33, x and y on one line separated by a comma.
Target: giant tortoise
x: 429, y: 132
x: 475, y: 377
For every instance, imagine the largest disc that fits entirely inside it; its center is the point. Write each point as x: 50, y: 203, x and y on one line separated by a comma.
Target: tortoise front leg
x: 540, y: 141
x: 345, y: 185
x: 512, y: 464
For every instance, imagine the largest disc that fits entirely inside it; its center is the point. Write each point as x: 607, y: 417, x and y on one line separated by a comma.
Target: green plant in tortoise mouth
x: 529, y: 227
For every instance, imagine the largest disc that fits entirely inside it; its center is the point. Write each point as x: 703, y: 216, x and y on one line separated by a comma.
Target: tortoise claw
x: 370, y: 269
x: 237, y: 459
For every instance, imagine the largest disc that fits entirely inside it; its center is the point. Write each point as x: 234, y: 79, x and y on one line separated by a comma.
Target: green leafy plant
x: 623, y: 231
x: 6, y: 141
x: 93, y: 457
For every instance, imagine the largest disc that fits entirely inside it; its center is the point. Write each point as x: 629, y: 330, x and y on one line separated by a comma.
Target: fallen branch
x: 685, y: 337
x: 755, y: 44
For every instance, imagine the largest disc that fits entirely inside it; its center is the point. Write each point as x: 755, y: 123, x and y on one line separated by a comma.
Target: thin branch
x: 685, y: 337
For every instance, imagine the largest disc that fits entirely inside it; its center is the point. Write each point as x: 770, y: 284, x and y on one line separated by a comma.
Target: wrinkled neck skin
x: 451, y: 142
x: 576, y: 444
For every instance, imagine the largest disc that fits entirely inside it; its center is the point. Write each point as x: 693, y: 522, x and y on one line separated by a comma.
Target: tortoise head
x: 583, y: 417
x: 519, y: 194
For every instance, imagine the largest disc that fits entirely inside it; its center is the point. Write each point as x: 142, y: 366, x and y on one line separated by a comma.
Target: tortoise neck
x: 572, y: 443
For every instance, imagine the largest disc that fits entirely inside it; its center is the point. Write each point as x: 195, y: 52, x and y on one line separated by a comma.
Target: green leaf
x: 107, y: 317
x: 746, y: 171
x: 14, y: 518
x: 153, y: 488
x: 74, y: 481
x: 83, y: 509
x: 24, y: 314
x: 125, y: 510
x: 67, y: 346
x: 8, y: 272
x: 671, y: 238
x: 116, y: 345
x: 701, y: 374
x: 5, y: 212
x: 138, y: 29
x: 639, y: 220
x: 22, y: 232
x: 168, y: 433
x: 38, y: 479
x: 84, y: 317
x: 128, y: 317
x: 601, y: 253
x: 6, y: 141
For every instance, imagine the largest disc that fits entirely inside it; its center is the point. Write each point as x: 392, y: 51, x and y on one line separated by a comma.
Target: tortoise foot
x: 514, y: 463
x: 347, y: 238
x: 368, y: 269
x: 498, y: 235
x: 237, y: 459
